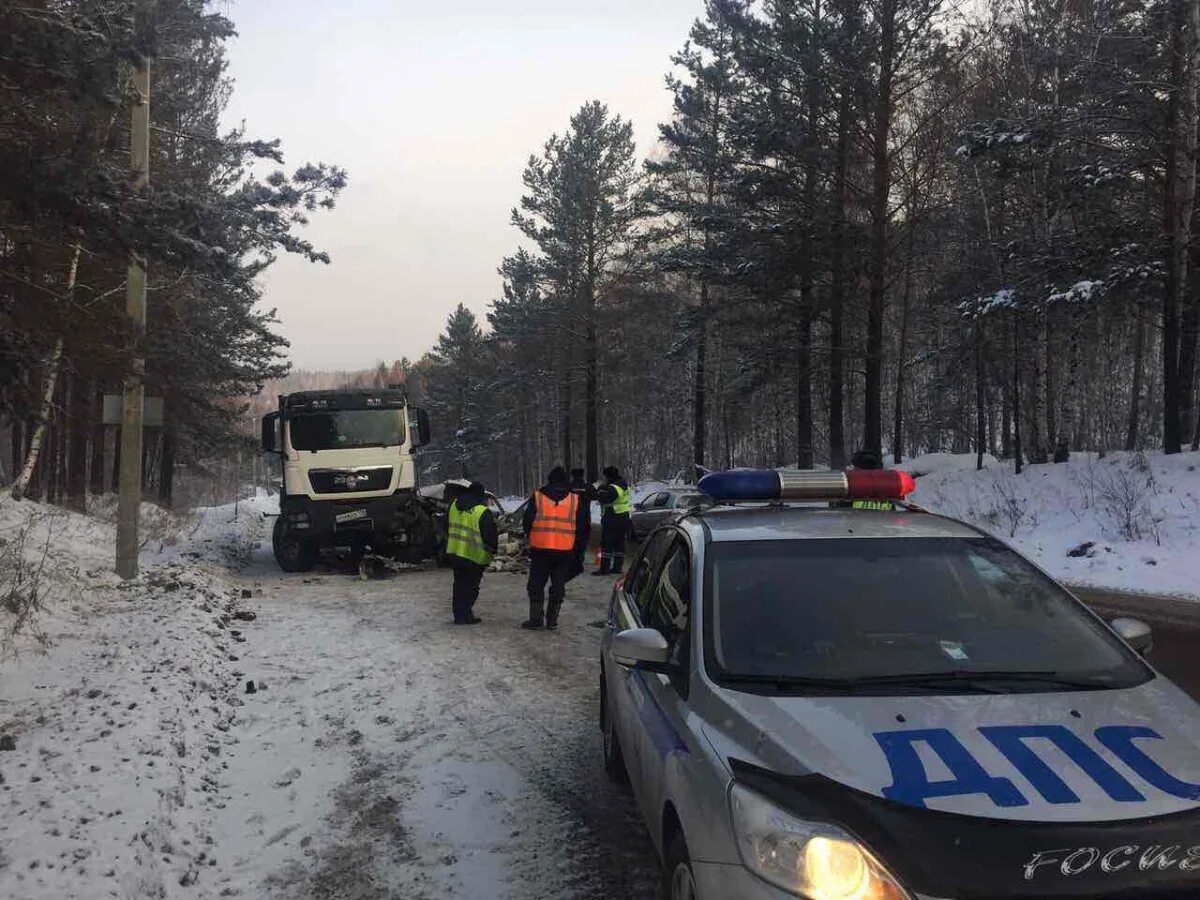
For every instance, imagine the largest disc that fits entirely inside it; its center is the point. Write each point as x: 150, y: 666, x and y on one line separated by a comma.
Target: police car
x: 819, y: 701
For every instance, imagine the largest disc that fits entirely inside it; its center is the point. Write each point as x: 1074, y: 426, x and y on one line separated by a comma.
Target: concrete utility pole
x: 129, y: 491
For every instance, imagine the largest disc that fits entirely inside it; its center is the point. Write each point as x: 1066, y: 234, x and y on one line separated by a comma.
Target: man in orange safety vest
x: 556, y: 525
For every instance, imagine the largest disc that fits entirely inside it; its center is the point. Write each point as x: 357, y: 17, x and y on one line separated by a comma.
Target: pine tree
x: 579, y: 208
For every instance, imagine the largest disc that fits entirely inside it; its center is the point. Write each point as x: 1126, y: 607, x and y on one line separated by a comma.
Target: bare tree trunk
x: 1051, y: 381
x: 839, y: 275
x: 166, y: 478
x: 53, y: 364
x: 1069, y: 416
x: 902, y: 347
x: 21, y: 485
x: 1135, y: 389
x: 1018, y: 450
x: 804, y: 422
x: 1178, y: 200
x: 97, y: 469
x: 881, y: 182
x: 17, y: 431
x: 700, y: 388
x: 1037, y: 449
x: 76, y: 469
x: 980, y: 396
x: 49, y: 468
x: 591, y: 425
x: 564, y: 407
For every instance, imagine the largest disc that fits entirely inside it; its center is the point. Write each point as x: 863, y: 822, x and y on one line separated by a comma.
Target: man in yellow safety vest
x: 471, y: 539
x: 616, y: 503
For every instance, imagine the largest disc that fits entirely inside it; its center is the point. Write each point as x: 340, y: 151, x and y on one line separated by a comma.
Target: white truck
x: 349, y: 477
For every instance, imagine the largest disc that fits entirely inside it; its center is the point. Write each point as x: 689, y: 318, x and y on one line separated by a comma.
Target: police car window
x: 668, y: 610
x: 659, y: 500
x: 874, y: 608
x: 668, y: 606
x: 638, y: 582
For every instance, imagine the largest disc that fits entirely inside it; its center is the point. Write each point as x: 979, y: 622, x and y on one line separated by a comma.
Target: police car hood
x: 1079, y: 756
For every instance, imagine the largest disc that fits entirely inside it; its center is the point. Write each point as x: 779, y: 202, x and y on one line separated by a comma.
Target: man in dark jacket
x: 471, y: 540
x: 615, y: 506
x: 555, y: 523
x: 583, y: 489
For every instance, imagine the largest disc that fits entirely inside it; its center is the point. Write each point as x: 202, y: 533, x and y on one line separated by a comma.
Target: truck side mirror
x: 270, y: 433
x: 420, y: 423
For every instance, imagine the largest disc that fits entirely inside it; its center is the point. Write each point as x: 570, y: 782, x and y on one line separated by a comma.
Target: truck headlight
x: 809, y: 859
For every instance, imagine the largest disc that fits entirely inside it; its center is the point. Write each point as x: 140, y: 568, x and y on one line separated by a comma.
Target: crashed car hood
x: 1090, y: 756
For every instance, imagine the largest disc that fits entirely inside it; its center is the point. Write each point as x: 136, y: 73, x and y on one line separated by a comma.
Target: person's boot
x: 552, y: 616
x: 604, y: 568
x: 534, y: 622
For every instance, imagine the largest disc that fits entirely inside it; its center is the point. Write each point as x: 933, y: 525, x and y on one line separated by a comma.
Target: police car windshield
x: 899, y: 615
x: 347, y: 428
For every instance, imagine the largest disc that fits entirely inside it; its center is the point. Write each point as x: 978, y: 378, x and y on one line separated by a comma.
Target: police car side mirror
x: 1135, y: 633
x: 641, y: 648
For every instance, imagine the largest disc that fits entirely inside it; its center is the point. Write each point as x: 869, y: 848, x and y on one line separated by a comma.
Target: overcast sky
x: 433, y: 107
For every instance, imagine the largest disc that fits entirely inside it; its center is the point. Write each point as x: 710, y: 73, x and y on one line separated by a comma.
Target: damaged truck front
x: 349, y: 473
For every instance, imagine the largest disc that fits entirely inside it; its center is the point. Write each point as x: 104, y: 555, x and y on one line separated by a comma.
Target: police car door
x: 663, y: 707
x: 623, y: 684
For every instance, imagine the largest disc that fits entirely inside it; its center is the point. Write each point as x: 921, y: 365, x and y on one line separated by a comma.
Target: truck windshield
x: 345, y: 428
x: 900, y: 615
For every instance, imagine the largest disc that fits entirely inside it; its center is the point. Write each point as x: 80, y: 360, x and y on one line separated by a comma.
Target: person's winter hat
x: 866, y: 459
x: 612, y: 473
x: 558, y: 475
x: 577, y: 474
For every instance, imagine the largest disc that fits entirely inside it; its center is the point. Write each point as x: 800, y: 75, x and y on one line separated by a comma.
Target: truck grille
x: 350, y: 481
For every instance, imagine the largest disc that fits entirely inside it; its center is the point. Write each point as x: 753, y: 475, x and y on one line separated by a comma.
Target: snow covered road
x: 219, y: 729
x: 421, y: 760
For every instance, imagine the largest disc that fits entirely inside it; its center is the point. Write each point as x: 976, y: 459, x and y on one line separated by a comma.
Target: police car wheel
x: 681, y: 883
x: 614, y: 760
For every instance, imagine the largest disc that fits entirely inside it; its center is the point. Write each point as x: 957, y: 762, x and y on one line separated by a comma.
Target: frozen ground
x: 1127, y: 521
x: 219, y: 729
x: 383, y: 752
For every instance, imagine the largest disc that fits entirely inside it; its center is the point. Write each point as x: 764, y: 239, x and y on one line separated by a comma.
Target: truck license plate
x: 351, y: 516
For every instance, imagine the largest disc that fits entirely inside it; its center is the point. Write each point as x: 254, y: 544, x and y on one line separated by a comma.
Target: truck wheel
x: 292, y: 553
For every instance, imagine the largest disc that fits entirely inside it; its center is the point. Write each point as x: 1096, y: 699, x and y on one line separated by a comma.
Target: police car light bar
x: 792, y: 484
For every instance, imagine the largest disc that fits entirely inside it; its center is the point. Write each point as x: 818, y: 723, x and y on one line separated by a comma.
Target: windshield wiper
x: 988, y: 677
x: 988, y: 682
x: 784, y: 682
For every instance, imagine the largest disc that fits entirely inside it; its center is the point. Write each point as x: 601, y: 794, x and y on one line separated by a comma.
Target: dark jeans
x: 555, y: 567
x: 467, y: 577
x: 613, y: 529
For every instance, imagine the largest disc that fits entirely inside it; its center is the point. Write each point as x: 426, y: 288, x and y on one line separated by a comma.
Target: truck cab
x: 349, y: 476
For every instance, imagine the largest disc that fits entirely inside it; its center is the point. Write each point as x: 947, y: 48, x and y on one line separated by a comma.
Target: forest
x: 217, y: 210
x: 899, y: 225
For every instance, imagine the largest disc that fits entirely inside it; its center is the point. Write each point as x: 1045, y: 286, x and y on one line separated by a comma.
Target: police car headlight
x: 809, y: 859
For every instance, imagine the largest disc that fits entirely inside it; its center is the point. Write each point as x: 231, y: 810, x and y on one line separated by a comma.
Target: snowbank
x: 236, y: 534
x: 111, y: 734
x: 1126, y: 521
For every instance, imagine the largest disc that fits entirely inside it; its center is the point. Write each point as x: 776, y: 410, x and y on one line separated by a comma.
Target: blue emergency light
x: 793, y: 484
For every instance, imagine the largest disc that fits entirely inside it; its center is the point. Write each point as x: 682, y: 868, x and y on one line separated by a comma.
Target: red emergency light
x: 795, y: 484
